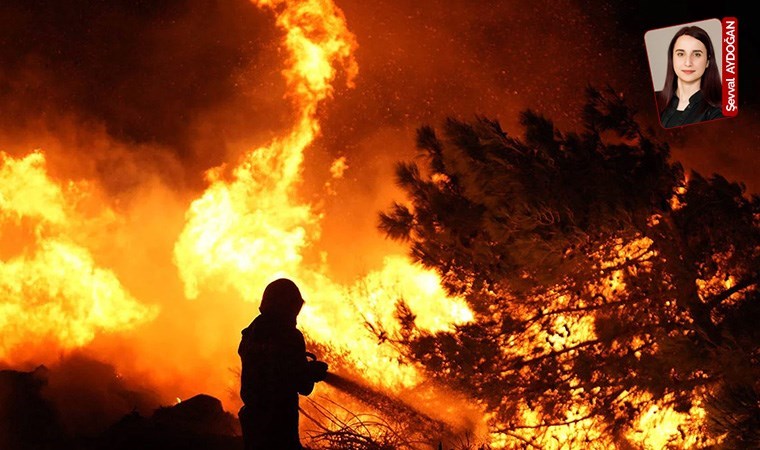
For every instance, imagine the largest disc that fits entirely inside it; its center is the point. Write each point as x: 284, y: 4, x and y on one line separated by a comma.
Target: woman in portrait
x: 692, y: 91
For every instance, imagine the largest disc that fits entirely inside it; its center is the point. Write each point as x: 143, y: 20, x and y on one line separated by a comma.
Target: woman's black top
x: 697, y: 111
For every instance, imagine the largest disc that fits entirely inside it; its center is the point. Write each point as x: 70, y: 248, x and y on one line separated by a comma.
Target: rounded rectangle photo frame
x: 694, y: 71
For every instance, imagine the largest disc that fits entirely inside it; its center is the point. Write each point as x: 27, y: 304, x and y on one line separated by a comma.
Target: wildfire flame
x: 250, y: 228
x: 253, y: 226
x: 51, y: 288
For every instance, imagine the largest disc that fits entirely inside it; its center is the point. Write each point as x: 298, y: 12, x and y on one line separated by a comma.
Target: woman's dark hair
x: 709, y: 84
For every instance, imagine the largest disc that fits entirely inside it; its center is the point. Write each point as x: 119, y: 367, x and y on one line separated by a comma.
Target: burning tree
x: 611, y: 292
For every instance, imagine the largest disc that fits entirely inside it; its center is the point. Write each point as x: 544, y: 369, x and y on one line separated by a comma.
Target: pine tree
x: 602, y: 278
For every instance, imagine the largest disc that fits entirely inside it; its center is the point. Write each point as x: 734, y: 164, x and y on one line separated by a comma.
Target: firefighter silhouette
x: 275, y: 368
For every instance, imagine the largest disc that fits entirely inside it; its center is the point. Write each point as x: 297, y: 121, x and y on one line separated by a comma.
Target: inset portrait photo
x: 687, y: 62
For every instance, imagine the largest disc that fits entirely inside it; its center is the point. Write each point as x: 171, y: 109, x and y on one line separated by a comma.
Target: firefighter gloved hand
x: 317, y: 370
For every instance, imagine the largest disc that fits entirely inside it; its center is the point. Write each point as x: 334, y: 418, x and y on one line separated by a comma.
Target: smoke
x: 386, y: 404
x: 125, y: 87
x: 436, y: 415
x: 184, y: 85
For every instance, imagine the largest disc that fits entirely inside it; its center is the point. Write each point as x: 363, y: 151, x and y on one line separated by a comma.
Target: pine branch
x: 573, y: 310
x: 398, y: 223
x: 548, y: 424
x: 555, y: 353
x: 716, y: 300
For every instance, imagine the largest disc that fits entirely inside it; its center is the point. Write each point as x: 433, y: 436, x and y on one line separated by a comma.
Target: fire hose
x: 389, y: 406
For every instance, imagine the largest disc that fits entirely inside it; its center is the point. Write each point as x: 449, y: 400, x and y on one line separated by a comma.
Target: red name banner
x: 730, y: 67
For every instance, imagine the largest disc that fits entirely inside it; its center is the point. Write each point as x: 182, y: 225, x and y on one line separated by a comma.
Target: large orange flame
x: 51, y: 289
x: 253, y: 225
x: 250, y: 228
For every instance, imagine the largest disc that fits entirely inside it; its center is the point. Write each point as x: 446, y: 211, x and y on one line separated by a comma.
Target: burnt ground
x: 30, y: 419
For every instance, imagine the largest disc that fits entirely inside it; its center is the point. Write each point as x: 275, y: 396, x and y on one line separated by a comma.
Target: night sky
x: 150, y: 71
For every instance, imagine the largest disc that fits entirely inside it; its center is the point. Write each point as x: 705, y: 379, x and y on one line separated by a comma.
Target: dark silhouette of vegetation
x: 339, y: 428
x: 603, y: 279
